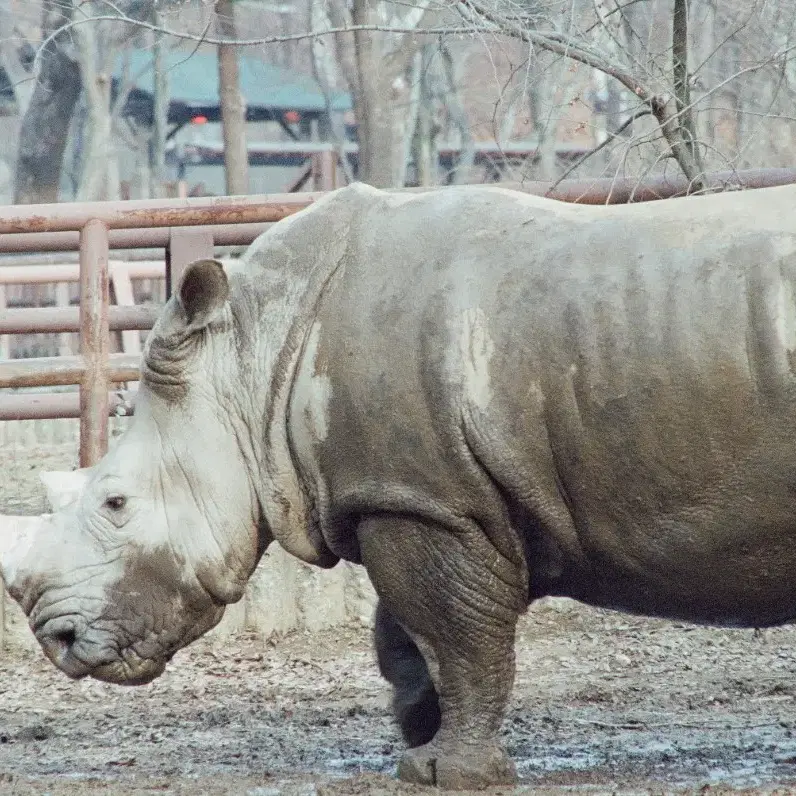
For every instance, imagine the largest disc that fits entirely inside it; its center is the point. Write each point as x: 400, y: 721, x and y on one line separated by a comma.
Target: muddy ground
x: 603, y: 703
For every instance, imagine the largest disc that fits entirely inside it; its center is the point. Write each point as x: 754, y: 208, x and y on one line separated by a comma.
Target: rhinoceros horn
x: 18, y: 536
x: 63, y: 487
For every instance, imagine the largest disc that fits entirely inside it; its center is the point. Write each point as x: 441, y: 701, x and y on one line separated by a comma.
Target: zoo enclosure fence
x: 187, y: 229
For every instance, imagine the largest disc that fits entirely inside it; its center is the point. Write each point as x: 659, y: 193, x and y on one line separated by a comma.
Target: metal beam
x: 196, y: 211
x: 25, y: 320
x: 56, y: 405
x: 146, y: 238
x: 60, y: 371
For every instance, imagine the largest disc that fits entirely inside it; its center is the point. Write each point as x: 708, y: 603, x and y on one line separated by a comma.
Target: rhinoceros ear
x: 63, y: 487
x: 202, y: 293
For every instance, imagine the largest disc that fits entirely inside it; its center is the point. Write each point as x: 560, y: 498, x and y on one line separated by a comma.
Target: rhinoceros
x: 482, y: 397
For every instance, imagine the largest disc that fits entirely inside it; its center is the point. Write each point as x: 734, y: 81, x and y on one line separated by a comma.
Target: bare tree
x: 19, y: 78
x: 664, y: 95
x: 691, y: 82
x: 233, y: 107
x: 45, y: 125
x: 377, y: 75
x: 95, y: 71
x: 99, y: 43
x: 326, y: 68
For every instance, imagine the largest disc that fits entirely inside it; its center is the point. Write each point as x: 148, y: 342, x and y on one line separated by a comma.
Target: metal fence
x: 187, y: 229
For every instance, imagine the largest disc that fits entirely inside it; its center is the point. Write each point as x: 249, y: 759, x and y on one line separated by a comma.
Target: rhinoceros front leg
x: 415, y: 702
x: 459, y: 599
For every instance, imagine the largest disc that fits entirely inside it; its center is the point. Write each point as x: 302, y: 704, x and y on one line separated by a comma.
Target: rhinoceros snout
x: 63, y: 641
x: 78, y: 650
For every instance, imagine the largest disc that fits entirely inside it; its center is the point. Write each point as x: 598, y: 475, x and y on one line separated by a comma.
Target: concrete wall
x: 284, y: 594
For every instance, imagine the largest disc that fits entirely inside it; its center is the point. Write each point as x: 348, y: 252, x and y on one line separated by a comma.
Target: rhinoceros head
x: 147, y: 547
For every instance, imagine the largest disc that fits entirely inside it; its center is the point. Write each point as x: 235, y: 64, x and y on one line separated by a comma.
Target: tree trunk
x: 704, y: 50
x: 370, y: 124
x: 233, y: 109
x: 548, y: 96
x: 461, y: 122
x: 96, y: 154
x: 45, y: 126
x: 382, y: 126
x: 160, y: 102
x: 682, y: 85
x: 21, y: 81
x: 430, y: 80
x: 325, y: 71
x: 379, y: 104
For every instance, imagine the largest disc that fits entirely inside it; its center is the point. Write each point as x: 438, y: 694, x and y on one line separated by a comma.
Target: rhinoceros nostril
x: 57, y: 641
x: 65, y: 638
x: 61, y: 639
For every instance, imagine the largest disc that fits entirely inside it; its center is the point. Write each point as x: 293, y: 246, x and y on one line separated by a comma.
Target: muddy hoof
x: 459, y: 768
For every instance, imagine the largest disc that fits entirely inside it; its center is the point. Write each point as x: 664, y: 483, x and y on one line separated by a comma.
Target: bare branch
x: 561, y: 45
x: 322, y: 66
x: 611, y: 137
x: 258, y: 42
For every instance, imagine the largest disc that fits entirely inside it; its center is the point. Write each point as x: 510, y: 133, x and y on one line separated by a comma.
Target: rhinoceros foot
x: 418, y: 716
x: 415, y: 700
x: 457, y: 767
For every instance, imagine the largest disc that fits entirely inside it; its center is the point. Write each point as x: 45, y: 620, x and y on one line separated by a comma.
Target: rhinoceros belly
x: 725, y: 554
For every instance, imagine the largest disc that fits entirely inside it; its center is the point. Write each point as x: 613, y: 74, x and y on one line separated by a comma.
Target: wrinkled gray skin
x: 481, y: 396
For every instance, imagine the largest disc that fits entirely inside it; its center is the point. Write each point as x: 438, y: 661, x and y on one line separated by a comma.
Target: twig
x: 611, y: 137
x: 249, y: 42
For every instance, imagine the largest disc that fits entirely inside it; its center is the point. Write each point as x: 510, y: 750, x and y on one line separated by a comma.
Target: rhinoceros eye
x: 115, y: 502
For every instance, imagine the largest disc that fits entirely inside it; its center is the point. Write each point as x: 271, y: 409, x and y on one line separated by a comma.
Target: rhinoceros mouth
x: 121, y: 672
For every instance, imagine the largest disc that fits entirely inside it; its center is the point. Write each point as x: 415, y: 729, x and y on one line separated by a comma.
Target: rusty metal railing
x: 186, y: 228
x: 189, y: 229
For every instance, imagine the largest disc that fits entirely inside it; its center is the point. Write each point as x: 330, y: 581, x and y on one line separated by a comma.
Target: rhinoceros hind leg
x: 458, y: 599
x: 415, y: 700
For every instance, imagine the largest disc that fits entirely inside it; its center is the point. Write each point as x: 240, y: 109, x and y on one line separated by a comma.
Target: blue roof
x: 193, y: 80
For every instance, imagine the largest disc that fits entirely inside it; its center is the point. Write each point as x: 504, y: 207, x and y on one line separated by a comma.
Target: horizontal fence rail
x: 60, y: 405
x: 20, y: 320
x: 137, y: 213
x: 70, y: 272
x: 64, y: 371
x: 145, y: 238
x: 624, y: 190
x: 186, y: 229
x: 131, y: 222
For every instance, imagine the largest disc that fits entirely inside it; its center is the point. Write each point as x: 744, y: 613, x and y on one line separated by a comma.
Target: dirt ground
x: 603, y: 703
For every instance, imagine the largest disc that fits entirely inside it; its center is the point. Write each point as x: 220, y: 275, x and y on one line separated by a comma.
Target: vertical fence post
x: 324, y: 170
x: 186, y: 244
x: 62, y: 300
x: 5, y: 340
x: 94, y: 342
